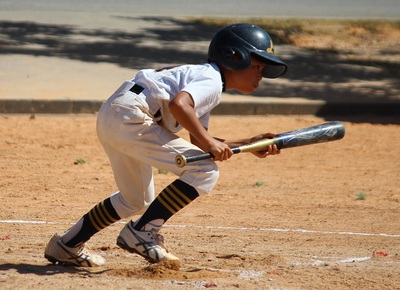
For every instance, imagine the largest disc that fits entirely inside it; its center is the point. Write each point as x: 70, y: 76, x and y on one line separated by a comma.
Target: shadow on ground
x: 170, y: 41
x: 45, y: 270
x: 134, y: 50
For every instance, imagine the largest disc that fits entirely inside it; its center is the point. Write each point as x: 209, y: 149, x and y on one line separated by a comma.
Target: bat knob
x: 180, y: 160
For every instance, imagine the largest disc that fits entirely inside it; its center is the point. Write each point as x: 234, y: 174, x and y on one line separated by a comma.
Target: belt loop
x: 157, y: 117
x: 136, y: 89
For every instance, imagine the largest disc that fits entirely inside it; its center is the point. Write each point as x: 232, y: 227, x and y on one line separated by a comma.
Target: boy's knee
x: 126, y: 208
x: 203, y: 178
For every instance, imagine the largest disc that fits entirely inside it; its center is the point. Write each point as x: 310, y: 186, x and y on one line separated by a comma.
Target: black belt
x: 136, y: 89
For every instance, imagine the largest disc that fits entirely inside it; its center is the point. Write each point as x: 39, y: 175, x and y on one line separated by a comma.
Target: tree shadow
x: 326, y: 77
x: 168, y: 41
x: 127, y: 49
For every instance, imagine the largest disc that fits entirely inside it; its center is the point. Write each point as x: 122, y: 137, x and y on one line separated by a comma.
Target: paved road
x: 65, y: 50
x: 255, y: 8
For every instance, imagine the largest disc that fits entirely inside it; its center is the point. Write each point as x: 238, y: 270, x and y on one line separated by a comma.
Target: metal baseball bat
x: 326, y: 132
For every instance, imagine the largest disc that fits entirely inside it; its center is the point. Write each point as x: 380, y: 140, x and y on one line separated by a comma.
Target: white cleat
x: 58, y: 253
x: 148, y: 244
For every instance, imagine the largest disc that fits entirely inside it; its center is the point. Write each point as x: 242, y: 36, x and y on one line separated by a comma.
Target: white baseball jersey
x: 202, y: 82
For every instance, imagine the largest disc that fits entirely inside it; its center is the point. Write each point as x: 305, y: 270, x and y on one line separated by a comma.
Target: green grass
x: 361, y: 196
x: 161, y: 171
x: 80, y: 161
x: 259, y: 183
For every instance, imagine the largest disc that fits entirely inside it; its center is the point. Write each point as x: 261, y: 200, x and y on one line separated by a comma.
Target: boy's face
x: 247, y: 81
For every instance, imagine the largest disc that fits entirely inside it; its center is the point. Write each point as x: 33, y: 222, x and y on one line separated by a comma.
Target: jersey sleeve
x: 205, y: 90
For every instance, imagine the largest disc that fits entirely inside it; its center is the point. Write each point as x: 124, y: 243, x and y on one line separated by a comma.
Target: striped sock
x: 173, y: 198
x: 98, y: 218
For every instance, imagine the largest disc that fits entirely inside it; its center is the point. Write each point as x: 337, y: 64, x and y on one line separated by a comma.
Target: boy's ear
x: 235, y: 58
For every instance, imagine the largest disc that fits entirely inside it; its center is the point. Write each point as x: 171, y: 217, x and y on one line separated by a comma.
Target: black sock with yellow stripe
x: 98, y: 218
x: 173, y: 198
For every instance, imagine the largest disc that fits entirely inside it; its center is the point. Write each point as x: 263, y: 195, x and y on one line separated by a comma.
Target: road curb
x: 318, y: 108
x: 29, y: 106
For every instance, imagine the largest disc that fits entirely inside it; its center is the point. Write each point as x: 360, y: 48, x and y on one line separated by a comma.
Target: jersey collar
x: 215, y: 65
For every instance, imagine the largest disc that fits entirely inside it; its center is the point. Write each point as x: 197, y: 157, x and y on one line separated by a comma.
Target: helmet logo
x: 270, y: 49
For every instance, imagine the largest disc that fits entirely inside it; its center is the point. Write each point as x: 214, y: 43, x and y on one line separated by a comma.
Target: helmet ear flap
x: 235, y: 58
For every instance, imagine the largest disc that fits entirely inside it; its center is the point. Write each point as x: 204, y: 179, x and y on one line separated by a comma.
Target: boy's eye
x: 258, y: 66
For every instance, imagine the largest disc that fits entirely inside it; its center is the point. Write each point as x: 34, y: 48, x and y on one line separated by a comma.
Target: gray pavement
x: 222, y: 8
x: 69, y: 61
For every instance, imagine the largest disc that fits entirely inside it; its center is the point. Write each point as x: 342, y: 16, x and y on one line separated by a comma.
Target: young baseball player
x: 137, y: 126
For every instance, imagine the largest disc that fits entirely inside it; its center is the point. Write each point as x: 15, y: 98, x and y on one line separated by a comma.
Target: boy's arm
x: 182, y: 108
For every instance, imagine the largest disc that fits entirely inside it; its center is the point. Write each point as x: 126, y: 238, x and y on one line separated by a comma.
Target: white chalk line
x: 285, y: 230
x: 278, y: 230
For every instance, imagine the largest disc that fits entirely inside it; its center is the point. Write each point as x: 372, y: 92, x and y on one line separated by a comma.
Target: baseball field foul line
x: 228, y: 228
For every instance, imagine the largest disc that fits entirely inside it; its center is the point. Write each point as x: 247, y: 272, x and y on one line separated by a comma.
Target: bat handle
x: 181, y: 160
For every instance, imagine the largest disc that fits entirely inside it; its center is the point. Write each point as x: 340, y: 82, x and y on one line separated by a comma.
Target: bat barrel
x: 326, y: 132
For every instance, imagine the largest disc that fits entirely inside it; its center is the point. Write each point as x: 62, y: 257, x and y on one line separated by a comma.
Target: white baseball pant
x: 135, y: 143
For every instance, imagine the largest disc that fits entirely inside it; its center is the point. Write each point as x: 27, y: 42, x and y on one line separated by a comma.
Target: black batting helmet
x: 233, y: 46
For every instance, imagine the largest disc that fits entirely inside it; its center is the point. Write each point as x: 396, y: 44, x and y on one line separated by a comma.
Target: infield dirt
x: 324, y: 216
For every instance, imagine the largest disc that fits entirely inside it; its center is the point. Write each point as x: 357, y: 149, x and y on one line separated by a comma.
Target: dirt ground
x: 324, y: 216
